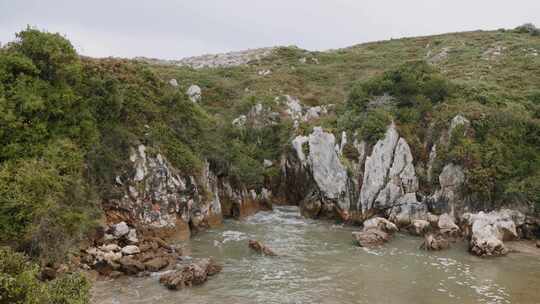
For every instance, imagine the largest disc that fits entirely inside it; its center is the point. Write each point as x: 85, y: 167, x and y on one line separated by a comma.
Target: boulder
x: 420, y: 227
x: 194, y: 93
x: 435, y: 242
x: 379, y: 223
x: 376, y: 231
x: 447, y: 225
x: 173, y: 82
x: 120, y: 229
x: 371, y: 237
x: 156, y: 264
x: 195, y: 273
x: 110, y: 248
x: 132, y: 236
x: 111, y: 257
x: 487, y: 231
x: 130, y: 249
x: 261, y: 248
x: 130, y: 266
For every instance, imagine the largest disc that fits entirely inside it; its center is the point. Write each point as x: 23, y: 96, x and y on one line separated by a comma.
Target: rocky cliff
x: 158, y: 197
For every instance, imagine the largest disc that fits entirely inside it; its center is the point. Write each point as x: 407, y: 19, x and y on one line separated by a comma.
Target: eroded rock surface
x: 489, y: 230
x: 315, y: 176
x: 193, y: 274
x: 435, y: 242
x: 389, y: 173
x: 376, y: 231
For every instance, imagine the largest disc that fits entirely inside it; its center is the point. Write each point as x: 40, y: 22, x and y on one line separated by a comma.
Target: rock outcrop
x: 389, y: 174
x: 487, y: 231
x: 314, y: 176
x: 156, y: 196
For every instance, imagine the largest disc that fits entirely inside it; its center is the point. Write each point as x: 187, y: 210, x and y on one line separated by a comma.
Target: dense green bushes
x: 19, y: 283
x: 406, y: 94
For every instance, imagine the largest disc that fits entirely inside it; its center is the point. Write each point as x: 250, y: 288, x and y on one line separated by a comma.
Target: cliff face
x: 156, y: 196
x: 384, y: 183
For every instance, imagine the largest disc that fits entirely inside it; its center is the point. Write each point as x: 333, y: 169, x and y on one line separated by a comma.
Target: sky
x: 173, y: 29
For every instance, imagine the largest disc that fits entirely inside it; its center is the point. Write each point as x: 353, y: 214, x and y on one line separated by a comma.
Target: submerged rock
x: 376, y: 231
x: 371, y: 237
x: 435, y: 242
x: 261, y: 248
x: 193, y: 274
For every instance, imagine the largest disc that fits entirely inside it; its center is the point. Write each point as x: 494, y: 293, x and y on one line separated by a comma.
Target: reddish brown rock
x: 435, y: 242
x: 156, y: 264
x: 261, y: 248
x: 192, y: 274
x: 371, y: 237
x: 130, y: 266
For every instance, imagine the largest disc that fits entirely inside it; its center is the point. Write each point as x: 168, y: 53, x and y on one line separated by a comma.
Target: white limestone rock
x: 132, y: 236
x: 328, y: 172
x: 173, y: 82
x: 120, y: 229
x: 267, y: 163
x: 298, y: 143
x: 447, y: 225
x: 376, y: 170
x: 380, y: 223
x: 194, y: 93
x: 240, y: 121
x: 130, y: 250
x: 489, y: 230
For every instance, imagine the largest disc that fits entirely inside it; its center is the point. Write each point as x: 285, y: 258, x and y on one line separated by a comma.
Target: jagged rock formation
x: 317, y: 180
x: 389, y: 174
x: 157, y: 196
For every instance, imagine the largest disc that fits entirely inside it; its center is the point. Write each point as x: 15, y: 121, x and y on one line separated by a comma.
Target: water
x: 319, y: 263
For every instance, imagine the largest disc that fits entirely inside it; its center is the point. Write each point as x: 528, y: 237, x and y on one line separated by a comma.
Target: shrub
x: 19, y: 283
x: 528, y: 28
x: 374, y: 126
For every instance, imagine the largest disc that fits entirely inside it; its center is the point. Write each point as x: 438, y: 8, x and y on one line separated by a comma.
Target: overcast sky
x: 174, y: 29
